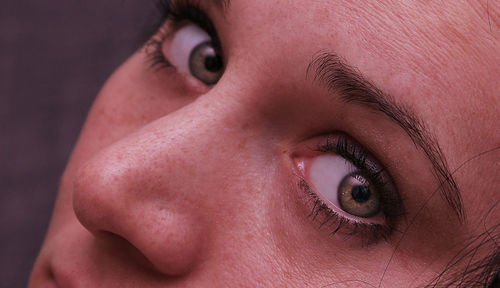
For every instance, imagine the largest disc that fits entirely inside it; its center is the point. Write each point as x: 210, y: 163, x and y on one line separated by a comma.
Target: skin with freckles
x: 174, y: 183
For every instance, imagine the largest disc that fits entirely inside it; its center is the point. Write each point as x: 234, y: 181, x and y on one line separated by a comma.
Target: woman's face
x: 287, y: 144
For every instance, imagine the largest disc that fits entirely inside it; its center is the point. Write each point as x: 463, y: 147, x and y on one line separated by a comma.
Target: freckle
x: 245, y: 126
x: 242, y: 144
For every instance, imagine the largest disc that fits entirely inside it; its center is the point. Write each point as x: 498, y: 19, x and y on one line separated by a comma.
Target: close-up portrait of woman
x: 258, y: 143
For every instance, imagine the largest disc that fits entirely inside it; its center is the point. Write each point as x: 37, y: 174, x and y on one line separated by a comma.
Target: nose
x: 132, y: 190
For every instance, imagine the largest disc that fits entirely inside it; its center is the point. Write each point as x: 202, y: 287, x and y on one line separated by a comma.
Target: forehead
x: 417, y: 36
x: 438, y: 57
x: 411, y: 36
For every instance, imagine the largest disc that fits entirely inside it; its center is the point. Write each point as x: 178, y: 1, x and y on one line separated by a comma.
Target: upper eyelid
x: 343, y: 144
x: 194, y: 11
x: 390, y: 191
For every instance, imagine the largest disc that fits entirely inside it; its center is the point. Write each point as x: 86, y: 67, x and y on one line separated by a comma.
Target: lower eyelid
x: 334, y: 223
x: 377, y: 219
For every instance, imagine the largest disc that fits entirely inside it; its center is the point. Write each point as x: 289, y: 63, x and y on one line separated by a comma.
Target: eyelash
x: 175, y: 12
x: 392, y: 205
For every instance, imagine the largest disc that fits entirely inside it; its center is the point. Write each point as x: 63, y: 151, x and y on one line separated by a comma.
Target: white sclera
x: 182, y: 44
x: 326, y: 172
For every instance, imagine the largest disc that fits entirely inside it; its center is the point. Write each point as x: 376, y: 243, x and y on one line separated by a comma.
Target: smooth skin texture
x: 176, y: 184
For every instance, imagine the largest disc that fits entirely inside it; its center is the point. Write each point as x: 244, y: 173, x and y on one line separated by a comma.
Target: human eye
x: 349, y: 191
x: 187, y: 43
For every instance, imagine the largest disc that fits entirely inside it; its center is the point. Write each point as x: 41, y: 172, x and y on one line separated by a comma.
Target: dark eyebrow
x: 346, y: 81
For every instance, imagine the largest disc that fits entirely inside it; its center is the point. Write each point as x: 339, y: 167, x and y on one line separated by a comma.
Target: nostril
x: 121, y: 249
x: 173, y: 245
x: 171, y: 249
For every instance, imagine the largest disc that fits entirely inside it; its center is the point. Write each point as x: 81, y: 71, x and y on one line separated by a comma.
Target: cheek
x: 306, y: 249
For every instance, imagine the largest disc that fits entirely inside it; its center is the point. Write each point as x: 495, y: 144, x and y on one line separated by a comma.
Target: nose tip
x: 122, y: 196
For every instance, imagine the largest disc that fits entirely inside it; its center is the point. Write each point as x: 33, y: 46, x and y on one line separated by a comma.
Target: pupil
x: 213, y: 63
x: 361, y: 193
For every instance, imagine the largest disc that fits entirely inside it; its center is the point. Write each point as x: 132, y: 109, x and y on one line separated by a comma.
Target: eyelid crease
x: 188, y: 10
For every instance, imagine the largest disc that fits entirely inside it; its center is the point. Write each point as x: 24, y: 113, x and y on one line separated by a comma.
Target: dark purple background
x: 54, y: 57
